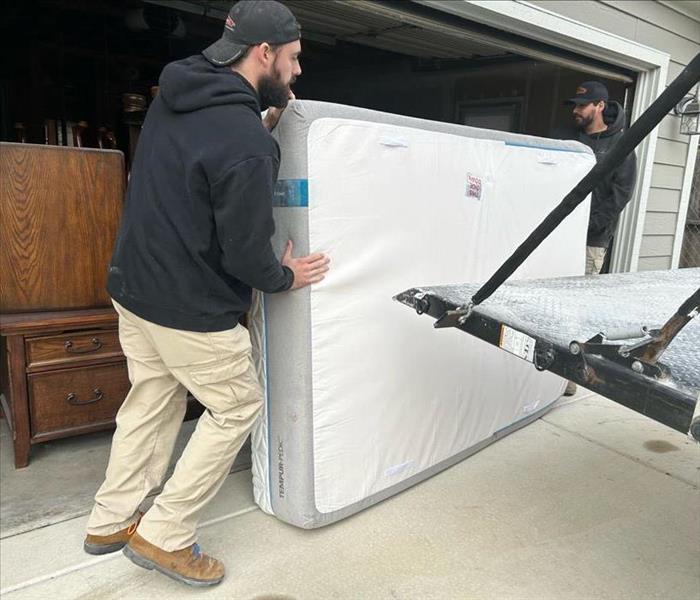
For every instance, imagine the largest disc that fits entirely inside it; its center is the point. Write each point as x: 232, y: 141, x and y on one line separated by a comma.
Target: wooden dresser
x: 65, y: 375
x: 63, y: 371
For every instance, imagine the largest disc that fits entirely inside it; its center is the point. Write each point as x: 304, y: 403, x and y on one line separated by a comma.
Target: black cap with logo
x: 589, y: 91
x: 252, y: 22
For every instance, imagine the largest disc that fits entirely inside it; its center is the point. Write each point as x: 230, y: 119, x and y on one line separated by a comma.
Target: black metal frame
x: 648, y: 392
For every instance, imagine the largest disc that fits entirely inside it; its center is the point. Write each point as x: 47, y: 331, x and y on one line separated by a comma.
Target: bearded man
x: 600, y: 123
x: 193, y: 242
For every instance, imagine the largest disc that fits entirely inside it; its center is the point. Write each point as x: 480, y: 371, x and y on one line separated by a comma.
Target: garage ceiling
x: 405, y: 27
x: 364, y: 22
x: 371, y: 24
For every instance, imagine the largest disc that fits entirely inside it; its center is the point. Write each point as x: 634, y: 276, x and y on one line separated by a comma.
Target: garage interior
x: 84, y: 56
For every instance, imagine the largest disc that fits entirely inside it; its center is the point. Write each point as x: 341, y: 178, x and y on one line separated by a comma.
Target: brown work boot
x: 104, y: 544
x: 189, y: 565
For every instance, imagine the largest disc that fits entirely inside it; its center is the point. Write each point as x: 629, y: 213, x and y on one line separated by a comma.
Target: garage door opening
x: 398, y: 57
x: 406, y: 59
x: 409, y: 59
x: 91, y: 66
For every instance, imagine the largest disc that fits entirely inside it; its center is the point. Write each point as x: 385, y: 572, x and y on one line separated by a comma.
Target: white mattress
x: 363, y: 399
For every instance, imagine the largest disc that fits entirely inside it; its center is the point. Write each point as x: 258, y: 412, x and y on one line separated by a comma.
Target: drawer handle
x: 96, y: 345
x: 73, y: 399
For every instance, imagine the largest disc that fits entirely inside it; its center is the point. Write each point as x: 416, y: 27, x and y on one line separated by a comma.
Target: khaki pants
x: 163, y: 364
x: 595, y: 257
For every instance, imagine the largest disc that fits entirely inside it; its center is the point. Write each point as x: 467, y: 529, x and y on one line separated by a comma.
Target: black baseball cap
x: 589, y: 91
x: 252, y: 22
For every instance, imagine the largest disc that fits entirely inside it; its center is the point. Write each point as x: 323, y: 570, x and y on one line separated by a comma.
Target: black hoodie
x: 612, y: 194
x: 197, y: 222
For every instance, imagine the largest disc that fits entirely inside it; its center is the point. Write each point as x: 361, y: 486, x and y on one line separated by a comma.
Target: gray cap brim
x: 223, y: 52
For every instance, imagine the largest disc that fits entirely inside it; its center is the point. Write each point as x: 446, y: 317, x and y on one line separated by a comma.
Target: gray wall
x: 658, y: 26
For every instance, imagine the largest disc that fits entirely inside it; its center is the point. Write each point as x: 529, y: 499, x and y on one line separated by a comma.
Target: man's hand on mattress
x: 307, y: 269
x: 273, y: 114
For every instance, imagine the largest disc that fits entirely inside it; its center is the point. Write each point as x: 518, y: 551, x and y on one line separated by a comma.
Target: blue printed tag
x: 291, y: 192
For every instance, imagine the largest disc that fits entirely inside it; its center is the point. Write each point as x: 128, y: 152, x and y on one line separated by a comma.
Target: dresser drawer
x: 80, y: 399
x: 72, y: 348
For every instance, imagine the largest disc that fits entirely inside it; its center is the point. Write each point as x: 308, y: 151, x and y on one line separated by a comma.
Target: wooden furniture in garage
x: 66, y: 375
x: 63, y: 369
x: 60, y: 210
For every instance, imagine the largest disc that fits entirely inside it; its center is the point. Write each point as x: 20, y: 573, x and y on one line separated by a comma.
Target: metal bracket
x: 416, y: 299
x: 631, y: 355
x: 455, y: 318
x: 644, y: 346
x: 421, y: 302
x: 544, y: 356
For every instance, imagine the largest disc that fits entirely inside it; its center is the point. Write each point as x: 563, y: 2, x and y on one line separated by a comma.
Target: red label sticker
x: 474, y: 186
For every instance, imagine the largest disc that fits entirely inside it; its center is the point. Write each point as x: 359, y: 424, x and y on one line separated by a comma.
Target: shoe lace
x: 134, y: 525
x: 196, y: 550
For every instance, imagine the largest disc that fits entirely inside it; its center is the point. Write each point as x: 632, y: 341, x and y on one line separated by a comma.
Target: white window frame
x: 537, y: 23
x: 685, y: 200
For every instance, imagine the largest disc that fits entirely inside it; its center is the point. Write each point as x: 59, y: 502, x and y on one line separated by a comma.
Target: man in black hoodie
x: 600, y: 123
x: 194, y: 241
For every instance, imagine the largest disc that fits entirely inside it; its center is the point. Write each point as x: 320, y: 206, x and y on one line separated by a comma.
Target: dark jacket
x: 197, y: 221
x: 612, y: 194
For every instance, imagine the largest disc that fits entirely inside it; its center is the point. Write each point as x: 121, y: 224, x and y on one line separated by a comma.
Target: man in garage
x: 193, y: 243
x: 600, y: 122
